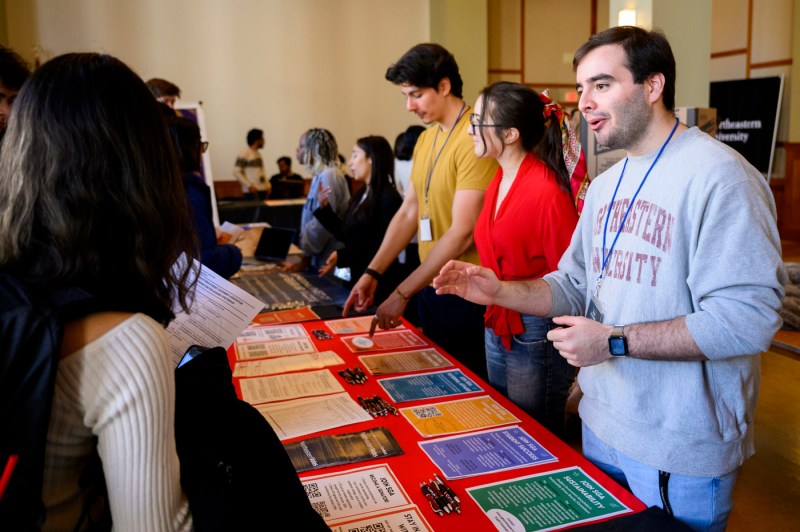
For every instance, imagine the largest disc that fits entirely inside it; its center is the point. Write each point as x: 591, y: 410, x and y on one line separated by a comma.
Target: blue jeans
x: 702, y: 503
x: 532, y: 374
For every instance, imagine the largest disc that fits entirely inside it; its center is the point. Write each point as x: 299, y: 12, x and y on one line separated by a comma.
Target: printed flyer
x: 258, y: 390
x: 404, y: 361
x: 547, y: 501
x: 428, y: 385
x: 273, y: 366
x: 359, y: 324
x: 279, y: 348
x: 268, y: 333
x: 408, y: 520
x: 286, y: 316
x: 383, y: 341
x: 357, y: 492
x: 452, y: 417
x: 489, y: 451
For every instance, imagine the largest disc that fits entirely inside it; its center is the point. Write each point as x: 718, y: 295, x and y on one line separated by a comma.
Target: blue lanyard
x: 628, y: 210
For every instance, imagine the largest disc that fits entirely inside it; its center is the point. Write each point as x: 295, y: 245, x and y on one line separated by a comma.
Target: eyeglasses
x: 474, y: 122
x: 204, y: 146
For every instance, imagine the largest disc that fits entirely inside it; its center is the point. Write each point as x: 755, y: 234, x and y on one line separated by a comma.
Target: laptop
x: 274, y: 244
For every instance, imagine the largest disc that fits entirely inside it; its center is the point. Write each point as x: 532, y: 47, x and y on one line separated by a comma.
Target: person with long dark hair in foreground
x: 91, y: 198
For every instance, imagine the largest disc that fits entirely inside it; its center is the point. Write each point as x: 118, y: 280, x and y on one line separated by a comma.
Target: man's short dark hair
x: 161, y: 87
x: 13, y: 69
x: 647, y: 52
x: 285, y: 160
x: 253, y: 135
x: 425, y: 65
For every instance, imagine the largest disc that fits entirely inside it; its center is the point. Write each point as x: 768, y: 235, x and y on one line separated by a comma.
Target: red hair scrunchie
x: 574, y: 159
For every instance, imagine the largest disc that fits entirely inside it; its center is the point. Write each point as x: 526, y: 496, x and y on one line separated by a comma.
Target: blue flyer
x: 490, y: 451
x: 428, y: 385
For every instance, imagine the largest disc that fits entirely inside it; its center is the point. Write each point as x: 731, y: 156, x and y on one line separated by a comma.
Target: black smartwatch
x: 617, y: 342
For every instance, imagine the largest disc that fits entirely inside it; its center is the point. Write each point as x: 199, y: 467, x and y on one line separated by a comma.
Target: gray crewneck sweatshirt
x: 700, y: 241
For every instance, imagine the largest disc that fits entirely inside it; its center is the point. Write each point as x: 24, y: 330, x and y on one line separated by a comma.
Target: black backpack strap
x: 30, y: 339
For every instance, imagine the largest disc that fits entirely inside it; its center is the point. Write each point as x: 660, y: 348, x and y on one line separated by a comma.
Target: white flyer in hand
x: 218, y: 314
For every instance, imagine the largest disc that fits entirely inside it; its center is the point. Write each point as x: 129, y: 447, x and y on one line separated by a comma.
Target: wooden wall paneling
x: 553, y: 32
x: 505, y: 39
x: 771, y: 31
x: 788, y: 214
x: 729, y: 26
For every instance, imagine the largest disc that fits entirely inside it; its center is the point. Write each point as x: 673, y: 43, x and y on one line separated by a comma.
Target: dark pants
x: 455, y: 325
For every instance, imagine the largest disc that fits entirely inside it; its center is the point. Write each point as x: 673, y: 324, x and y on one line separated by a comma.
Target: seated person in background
x: 318, y: 152
x: 249, y: 168
x: 13, y: 73
x: 224, y: 259
x: 104, y: 213
x: 164, y: 91
x: 367, y: 217
x: 286, y: 184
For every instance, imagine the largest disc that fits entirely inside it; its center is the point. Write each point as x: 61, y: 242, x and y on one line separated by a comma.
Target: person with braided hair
x: 319, y: 153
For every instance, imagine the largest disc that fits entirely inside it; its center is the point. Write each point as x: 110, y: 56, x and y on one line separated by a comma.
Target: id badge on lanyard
x: 595, y: 311
x: 425, y: 231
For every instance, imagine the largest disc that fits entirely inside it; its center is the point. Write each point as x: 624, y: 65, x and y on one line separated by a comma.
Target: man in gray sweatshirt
x: 667, y: 294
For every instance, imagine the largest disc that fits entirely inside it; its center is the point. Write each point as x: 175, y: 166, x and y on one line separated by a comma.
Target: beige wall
x: 281, y: 65
x: 461, y: 26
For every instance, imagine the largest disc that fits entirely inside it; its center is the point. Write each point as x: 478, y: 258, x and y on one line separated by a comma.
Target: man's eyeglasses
x: 204, y: 146
x: 474, y: 122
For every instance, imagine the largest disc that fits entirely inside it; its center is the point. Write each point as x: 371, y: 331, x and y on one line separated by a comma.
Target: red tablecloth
x: 415, y: 467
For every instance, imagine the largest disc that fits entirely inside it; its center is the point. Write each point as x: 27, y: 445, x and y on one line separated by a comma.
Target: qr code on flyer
x: 375, y: 527
x: 312, y: 490
x: 321, y: 508
x: 426, y: 412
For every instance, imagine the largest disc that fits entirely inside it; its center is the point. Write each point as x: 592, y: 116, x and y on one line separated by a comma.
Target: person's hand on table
x: 389, y: 313
x: 253, y: 189
x: 362, y: 295
x: 329, y: 265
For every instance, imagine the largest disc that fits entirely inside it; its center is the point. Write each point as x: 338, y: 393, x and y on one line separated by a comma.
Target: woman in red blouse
x: 526, y: 224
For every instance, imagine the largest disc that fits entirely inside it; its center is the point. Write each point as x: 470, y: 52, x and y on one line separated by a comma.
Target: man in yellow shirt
x: 441, y: 206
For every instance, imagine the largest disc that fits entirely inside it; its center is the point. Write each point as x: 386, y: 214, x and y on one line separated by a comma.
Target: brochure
x: 359, y: 324
x: 428, y: 385
x: 324, y: 451
x: 489, y: 451
x: 546, y: 501
x: 357, y: 492
x: 453, y: 417
x: 289, y: 386
x: 408, y: 520
x: 299, y: 417
x: 404, y: 361
x: 383, y: 341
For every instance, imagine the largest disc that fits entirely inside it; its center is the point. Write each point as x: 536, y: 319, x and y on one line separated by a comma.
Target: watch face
x: 618, y: 346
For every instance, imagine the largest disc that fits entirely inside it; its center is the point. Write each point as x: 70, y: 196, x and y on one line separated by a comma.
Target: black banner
x: 746, y: 113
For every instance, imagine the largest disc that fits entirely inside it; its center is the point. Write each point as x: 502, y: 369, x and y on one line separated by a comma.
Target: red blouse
x: 526, y: 239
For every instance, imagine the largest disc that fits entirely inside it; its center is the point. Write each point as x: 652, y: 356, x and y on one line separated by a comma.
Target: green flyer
x: 547, y: 501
